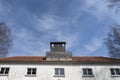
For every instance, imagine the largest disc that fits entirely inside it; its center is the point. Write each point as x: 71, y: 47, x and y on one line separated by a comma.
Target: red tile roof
x: 24, y: 58
x: 95, y: 59
x: 74, y: 59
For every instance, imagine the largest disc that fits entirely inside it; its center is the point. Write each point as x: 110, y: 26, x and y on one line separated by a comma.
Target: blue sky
x: 83, y: 24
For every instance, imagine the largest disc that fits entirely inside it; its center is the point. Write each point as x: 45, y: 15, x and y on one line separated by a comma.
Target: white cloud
x: 100, y: 10
x: 71, y: 39
x: 96, y: 8
x: 48, y: 22
x: 56, y: 27
x: 25, y: 43
x: 93, y: 45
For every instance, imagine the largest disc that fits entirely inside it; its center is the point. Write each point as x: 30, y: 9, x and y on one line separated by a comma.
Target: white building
x: 59, y: 65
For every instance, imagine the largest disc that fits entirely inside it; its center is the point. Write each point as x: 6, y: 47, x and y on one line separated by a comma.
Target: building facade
x: 58, y: 64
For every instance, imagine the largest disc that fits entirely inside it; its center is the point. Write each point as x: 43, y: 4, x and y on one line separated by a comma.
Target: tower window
x: 57, y: 45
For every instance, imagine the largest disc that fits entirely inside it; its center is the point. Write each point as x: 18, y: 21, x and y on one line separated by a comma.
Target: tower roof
x: 57, y: 42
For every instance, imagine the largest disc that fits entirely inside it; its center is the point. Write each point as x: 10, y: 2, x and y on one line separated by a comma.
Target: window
x: 59, y: 72
x: 31, y: 71
x: 4, y: 71
x: 87, y: 72
x: 115, y: 71
x: 57, y: 45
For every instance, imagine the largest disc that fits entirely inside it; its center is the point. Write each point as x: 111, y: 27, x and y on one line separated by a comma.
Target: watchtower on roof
x: 57, y: 46
x: 58, y: 52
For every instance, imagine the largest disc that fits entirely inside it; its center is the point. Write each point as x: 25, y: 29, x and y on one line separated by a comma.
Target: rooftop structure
x: 58, y: 52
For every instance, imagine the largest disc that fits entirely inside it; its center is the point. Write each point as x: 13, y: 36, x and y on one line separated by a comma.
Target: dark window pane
x: 89, y: 71
x: 56, y: 71
x: 2, y: 70
x: 34, y: 69
x: 33, y: 72
x: 117, y: 71
x: 29, y: 71
x: 112, y: 71
x: 84, y: 72
x: 7, y: 71
x: 61, y: 71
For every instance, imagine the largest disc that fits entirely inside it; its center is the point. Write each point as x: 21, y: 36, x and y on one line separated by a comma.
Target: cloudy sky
x: 83, y: 24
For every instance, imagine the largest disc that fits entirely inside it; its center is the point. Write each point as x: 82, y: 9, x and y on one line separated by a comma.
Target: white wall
x: 46, y: 72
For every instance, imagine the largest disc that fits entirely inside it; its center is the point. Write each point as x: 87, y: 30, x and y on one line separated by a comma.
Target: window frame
x: 31, y: 72
x: 87, y: 72
x: 4, y: 71
x: 59, y: 72
x: 115, y: 71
